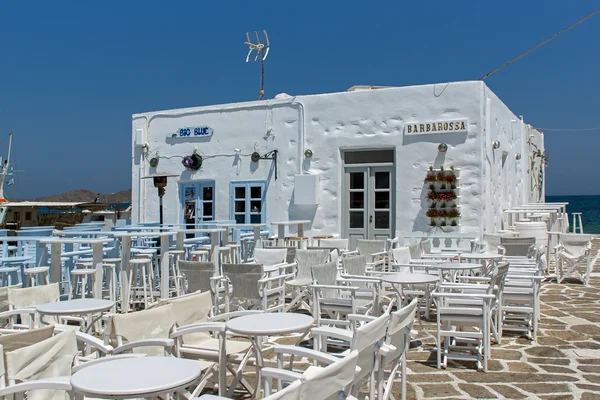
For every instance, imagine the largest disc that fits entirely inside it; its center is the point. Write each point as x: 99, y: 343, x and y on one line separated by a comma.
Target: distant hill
x: 83, y: 195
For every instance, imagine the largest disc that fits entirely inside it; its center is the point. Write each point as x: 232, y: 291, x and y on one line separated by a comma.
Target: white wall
x: 327, y: 123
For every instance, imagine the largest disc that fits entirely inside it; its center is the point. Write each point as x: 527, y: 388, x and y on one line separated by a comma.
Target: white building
x: 353, y: 163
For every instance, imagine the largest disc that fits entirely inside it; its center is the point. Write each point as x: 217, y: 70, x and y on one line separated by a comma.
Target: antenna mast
x: 262, y: 50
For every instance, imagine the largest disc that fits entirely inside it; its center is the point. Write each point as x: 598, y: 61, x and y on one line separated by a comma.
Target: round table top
x: 77, y: 306
x: 410, y: 278
x: 481, y: 256
x: 136, y: 376
x: 462, y: 265
x: 270, y: 324
x: 14, y: 259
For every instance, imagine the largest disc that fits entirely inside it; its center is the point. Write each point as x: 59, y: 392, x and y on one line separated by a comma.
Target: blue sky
x: 73, y: 72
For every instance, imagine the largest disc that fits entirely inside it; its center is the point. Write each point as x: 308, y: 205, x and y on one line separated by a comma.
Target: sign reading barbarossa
x: 459, y: 125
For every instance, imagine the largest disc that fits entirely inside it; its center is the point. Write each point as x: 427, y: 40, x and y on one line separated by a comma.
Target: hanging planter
x: 193, y: 162
x: 442, y: 197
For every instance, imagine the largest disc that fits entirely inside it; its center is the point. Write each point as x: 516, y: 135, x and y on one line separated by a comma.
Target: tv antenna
x: 262, y: 51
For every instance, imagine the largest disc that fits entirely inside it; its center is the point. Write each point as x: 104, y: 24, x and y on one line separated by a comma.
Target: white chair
x: 463, y: 322
x: 249, y: 289
x: 517, y: 246
x: 305, y: 260
x: 340, y: 244
x: 331, y: 381
x: 196, y: 336
x: 394, y: 351
x: 574, y: 257
x: 367, y: 339
x: 269, y: 257
x: 375, y: 250
x: 330, y: 298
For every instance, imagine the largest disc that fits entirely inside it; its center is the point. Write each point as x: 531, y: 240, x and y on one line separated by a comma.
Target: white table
x: 76, y: 307
x: 399, y: 280
x: 125, y: 238
x: 15, y: 259
x: 454, y: 268
x: 215, y: 240
x: 487, y: 259
x: 281, y: 227
x: 135, y: 377
x: 56, y: 255
x: 268, y: 324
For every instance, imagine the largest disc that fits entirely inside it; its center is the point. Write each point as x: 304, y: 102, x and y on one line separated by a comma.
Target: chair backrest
x: 415, y: 251
x: 499, y: 275
x: 425, y: 246
x: 326, y: 274
x: 340, y: 244
x: 244, y: 279
x: 4, y: 296
x: 306, y: 259
x: 366, y: 339
x: 334, y: 257
x: 192, y: 309
x: 575, y: 244
x: 26, y: 338
x: 517, y: 247
x: 270, y: 257
x: 197, y: 274
x: 401, y: 255
x: 290, y: 392
x: 153, y: 323
x: 398, y: 334
x: 356, y: 265
x: 323, y: 383
x: 370, y: 246
x: 33, y: 296
x: 49, y: 358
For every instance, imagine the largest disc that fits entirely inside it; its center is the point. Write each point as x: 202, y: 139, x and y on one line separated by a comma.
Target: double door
x: 198, y: 202
x: 369, y: 203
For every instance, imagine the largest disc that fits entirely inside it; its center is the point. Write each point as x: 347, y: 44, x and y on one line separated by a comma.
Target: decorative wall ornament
x: 193, y: 162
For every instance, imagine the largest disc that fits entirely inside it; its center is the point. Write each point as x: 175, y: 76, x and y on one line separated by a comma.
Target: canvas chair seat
x: 209, y: 343
x: 299, y: 282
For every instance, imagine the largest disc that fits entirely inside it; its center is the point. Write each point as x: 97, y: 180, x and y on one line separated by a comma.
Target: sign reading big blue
x: 191, y: 132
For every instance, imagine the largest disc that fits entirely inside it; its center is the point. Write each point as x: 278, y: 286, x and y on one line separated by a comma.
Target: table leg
x: 124, y: 273
x: 214, y: 256
x: 226, y: 236
x: 280, y: 234
x: 55, y: 264
x: 179, y: 240
x: 97, y: 252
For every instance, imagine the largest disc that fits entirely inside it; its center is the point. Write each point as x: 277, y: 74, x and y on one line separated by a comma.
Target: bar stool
x: 174, y: 256
x: 296, y: 241
x: 269, y: 242
x: 109, y: 280
x: 11, y: 275
x: 577, y: 224
x: 35, y: 275
x: 200, y: 255
x: 84, y: 279
x: 117, y: 262
x: 318, y: 239
x: 225, y: 254
x: 141, y: 266
x: 235, y: 252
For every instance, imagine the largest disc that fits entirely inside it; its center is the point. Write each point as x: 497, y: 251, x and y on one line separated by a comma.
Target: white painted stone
x: 330, y: 123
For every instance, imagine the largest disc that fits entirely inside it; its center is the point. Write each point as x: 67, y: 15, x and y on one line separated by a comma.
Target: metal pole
x: 262, y: 76
x: 161, y: 192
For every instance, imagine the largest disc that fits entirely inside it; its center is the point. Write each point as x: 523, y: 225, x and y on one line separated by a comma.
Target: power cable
x: 568, y: 130
x: 539, y: 45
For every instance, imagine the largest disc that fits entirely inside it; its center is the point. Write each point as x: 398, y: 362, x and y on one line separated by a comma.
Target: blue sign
x: 199, y: 131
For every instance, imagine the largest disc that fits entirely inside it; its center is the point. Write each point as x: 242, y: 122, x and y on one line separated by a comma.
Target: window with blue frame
x: 247, y: 202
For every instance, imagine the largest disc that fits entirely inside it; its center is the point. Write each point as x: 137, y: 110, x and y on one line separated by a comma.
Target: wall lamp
x: 443, y: 147
x: 308, y: 153
x: 518, y: 156
x: 271, y: 155
x: 495, y: 144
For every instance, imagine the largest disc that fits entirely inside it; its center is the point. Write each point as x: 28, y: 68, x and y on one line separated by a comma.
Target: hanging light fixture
x: 495, y: 144
x: 308, y: 153
x: 443, y: 147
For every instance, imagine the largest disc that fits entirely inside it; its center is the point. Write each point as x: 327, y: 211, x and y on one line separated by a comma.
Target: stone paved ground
x: 563, y: 364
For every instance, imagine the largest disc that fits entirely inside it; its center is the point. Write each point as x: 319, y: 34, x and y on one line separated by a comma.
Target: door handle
x: 370, y: 219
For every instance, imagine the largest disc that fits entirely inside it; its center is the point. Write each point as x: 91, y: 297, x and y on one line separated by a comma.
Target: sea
x: 589, y: 206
